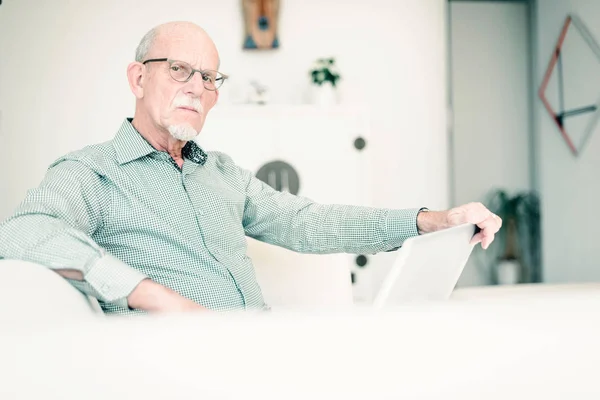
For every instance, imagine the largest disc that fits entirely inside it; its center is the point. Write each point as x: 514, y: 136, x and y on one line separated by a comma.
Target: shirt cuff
x: 112, y: 280
x: 401, y: 225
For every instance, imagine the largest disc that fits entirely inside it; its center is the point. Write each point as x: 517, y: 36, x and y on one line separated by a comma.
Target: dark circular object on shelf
x: 361, y: 261
x: 360, y: 143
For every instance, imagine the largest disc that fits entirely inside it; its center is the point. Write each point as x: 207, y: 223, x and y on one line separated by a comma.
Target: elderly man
x: 149, y: 222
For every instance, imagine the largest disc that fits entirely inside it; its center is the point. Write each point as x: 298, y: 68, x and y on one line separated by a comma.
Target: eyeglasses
x: 183, y: 72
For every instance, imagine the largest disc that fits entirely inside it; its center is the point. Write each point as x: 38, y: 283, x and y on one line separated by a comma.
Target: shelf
x: 290, y: 109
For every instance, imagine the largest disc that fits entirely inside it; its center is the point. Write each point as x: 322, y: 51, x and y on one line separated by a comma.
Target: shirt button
x: 105, y: 287
x: 200, y: 212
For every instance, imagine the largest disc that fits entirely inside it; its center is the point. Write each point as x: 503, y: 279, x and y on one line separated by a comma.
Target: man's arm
x: 299, y: 224
x: 53, y: 226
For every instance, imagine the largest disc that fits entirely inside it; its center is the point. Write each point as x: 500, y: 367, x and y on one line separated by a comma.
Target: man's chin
x: 183, y: 132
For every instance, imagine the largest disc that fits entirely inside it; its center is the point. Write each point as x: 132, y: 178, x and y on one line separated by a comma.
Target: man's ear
x: 215, y: 99
x: 135, y: 76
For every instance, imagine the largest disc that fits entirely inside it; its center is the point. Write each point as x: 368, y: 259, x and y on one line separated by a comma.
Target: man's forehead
x: 196, y: 61
x: 197, y: 55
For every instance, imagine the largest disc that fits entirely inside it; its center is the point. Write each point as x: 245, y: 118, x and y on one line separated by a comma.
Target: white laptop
x: 427, y: 267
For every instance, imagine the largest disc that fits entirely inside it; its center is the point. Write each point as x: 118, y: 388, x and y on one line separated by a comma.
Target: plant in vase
x: 515, y: 254
x: 325, y: 77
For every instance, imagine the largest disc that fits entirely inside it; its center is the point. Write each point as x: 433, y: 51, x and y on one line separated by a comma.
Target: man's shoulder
x: 95, y: 156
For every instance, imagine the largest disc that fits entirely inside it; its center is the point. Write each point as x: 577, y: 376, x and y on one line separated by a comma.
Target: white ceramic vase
x: 508, y: 272
x: 324, y: 95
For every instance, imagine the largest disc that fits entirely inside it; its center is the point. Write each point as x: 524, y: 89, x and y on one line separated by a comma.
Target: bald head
x: 176, y: 32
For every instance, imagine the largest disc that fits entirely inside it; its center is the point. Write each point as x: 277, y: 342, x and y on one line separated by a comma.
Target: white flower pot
x: 324, y: 95
x: 508, y: 272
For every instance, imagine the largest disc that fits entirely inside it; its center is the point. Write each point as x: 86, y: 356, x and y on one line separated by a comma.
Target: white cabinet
x: 319, y: 143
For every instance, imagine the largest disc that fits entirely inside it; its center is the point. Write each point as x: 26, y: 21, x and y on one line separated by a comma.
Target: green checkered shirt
x: 121, y: 211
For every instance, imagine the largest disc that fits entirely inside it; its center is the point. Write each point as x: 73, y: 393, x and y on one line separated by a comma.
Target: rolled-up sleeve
x: 54, y: 226
x: 110, y: 280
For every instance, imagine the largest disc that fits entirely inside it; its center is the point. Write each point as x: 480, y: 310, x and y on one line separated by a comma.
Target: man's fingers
x: 486, y: 241
x: 490, y: 225
x: 477, y: 238
x: 498, y: 220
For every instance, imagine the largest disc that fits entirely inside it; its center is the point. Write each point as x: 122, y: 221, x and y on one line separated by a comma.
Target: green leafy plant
x: 519, y: 239
x: 325, y: 70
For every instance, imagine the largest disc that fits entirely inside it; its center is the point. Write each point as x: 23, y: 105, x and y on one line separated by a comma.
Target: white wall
x: 569, y: 186
x: 63, y: 83
x: 490, y: 85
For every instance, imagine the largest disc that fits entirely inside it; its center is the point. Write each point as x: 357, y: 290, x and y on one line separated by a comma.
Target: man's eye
x: 175, y: 68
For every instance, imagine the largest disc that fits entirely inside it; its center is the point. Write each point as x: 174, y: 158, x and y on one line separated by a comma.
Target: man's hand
x: 472, y: 213
x: 153, y: 297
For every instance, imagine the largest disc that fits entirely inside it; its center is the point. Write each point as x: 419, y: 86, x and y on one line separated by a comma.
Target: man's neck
x: 159, y: 139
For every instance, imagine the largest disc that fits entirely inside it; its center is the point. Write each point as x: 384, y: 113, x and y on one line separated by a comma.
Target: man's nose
x: 195, y: 86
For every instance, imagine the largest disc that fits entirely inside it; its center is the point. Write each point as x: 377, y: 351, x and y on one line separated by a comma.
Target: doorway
x: 490, y: 100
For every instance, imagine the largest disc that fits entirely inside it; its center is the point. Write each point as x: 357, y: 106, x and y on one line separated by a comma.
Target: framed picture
x: 261, y: 21
x: 570, y: 90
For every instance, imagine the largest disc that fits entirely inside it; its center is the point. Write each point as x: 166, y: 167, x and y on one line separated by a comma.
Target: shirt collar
x: 194, y: 153
x: 130, y: 145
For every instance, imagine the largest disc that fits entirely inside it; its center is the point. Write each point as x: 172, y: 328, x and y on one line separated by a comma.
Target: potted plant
x: 515, y: 254
x: 325, y: 76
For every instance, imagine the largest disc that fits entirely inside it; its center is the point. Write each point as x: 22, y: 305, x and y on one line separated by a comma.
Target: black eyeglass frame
x: 221, y: 79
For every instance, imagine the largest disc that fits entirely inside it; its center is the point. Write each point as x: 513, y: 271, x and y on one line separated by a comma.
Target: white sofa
x: 42, y: 293
x: 53, y: 346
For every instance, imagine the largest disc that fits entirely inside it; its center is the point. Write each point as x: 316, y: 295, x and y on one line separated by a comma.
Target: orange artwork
x: 261, y: 23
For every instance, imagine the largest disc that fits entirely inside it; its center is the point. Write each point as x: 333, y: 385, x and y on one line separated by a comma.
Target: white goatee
x: 183, y: 132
